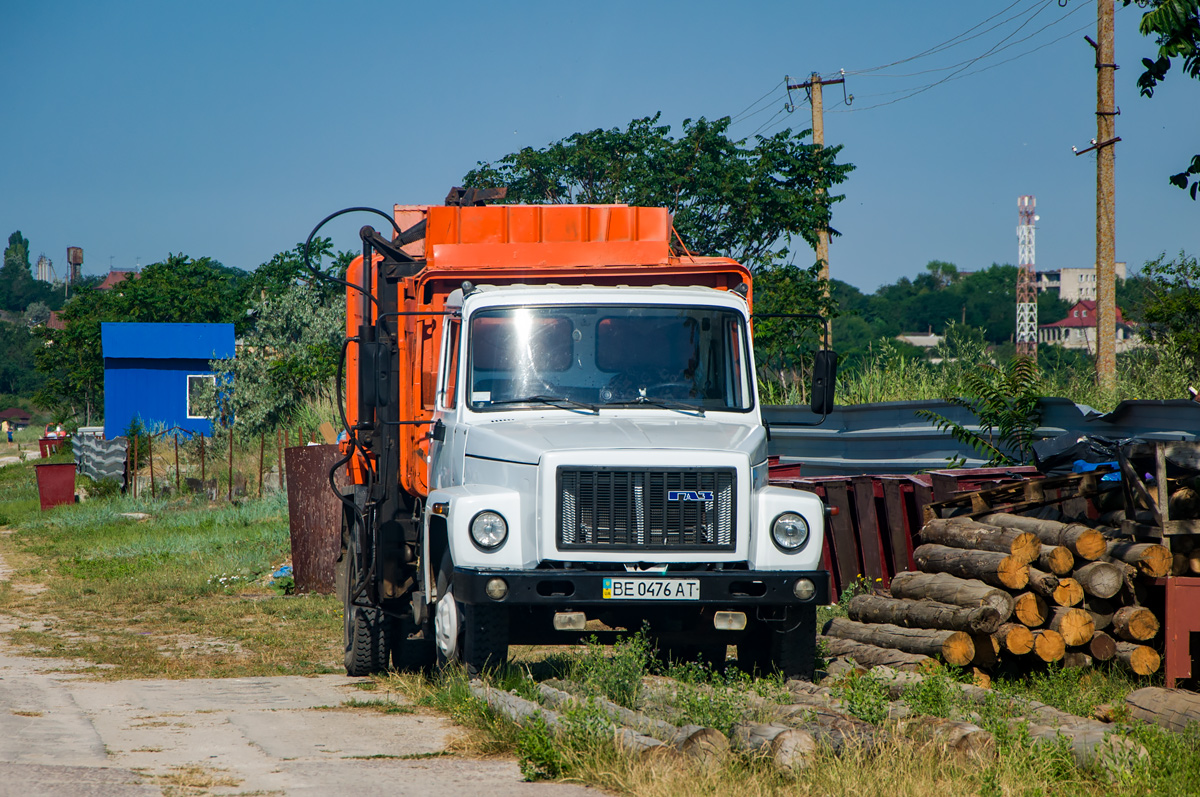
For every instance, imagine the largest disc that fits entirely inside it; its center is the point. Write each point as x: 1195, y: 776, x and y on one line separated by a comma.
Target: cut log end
x: 958, y: 649
x: 1075, y: 625
x: 1135, y: 623
x: 1057, y: 559
x: 1069, y: 592
x: 1030, y: 609
x: 1048, y: 645
x: 1141, y: 659
x: 1014, y: 638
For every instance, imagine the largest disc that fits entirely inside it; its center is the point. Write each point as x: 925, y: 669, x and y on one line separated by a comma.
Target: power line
x: 961, y: 67
x: 951, y: 42
x: 738, y: 116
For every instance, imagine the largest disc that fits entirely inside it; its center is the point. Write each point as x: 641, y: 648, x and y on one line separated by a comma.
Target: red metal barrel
x: 56, y: 484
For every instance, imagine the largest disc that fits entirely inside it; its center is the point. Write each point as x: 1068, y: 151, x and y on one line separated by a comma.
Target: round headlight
x: 789, y: 531
x: 488, y: 530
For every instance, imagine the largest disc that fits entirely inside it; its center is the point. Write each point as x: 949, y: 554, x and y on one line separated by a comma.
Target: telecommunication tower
x: 1027, y: 312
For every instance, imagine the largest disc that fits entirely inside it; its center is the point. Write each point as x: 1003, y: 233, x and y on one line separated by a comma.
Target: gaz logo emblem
x: 689, y: 495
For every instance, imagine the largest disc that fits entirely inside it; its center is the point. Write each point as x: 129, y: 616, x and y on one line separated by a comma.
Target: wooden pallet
x: 1021, y: 496
x: 1156, y: 499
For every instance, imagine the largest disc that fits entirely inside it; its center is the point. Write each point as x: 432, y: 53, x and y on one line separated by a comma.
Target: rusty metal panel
x: 314, y: 516
x: 870, y: 541
x: 845, y: 546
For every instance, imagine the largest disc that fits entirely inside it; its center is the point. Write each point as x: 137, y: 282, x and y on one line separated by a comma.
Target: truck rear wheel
x: 365, y: 628
x: 476, y: 635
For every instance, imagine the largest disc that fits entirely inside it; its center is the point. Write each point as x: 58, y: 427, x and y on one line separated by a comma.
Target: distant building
x: 1078, y: 330
x: 152, y: 372
x: 925, y: 340
x: 114, y: 278
x: 1073, y: 284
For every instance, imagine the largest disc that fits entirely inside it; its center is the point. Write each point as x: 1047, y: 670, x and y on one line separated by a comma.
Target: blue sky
x: 228, y: 129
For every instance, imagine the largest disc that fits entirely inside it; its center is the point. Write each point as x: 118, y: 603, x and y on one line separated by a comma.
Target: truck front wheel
x: 476, y: 635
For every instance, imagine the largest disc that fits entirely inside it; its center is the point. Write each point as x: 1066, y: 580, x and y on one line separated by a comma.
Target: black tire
x: 482, y: 642
x: 365, y: 629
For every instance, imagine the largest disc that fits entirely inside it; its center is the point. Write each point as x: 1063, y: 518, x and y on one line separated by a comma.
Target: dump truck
x: 552, y: 431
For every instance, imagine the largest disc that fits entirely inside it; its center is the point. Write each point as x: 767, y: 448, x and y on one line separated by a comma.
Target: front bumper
x: 555, y: 588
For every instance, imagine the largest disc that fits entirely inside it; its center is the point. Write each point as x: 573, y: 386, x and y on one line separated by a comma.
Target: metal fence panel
x: 890, y: 438
x: 100, y: 459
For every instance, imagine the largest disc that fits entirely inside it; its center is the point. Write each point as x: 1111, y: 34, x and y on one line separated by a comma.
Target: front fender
x: 769, y: 503
x: 462, y: 504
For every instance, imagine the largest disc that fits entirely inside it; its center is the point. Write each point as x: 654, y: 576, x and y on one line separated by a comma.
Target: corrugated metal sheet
x: 890, y: 438
x: 100, y: 459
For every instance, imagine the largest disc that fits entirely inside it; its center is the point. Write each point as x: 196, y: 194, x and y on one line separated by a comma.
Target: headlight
x: 789, y: 531
x: 488, y: 530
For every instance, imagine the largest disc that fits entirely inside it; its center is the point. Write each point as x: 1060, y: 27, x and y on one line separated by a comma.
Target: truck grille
x: 646, y: 510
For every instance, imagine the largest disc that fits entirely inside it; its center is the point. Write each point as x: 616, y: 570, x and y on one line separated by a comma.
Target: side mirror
x: 823, y: 380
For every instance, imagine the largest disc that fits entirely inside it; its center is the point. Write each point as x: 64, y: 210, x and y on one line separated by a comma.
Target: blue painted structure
x: 146, y: 370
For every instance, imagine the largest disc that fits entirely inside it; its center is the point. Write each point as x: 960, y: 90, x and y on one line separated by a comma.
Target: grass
x: 183, y: 593
x: 888, y: 375
x: 903, y: 761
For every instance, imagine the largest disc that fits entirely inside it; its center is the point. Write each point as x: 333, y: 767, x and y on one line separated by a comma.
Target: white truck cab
x: 597, y: 454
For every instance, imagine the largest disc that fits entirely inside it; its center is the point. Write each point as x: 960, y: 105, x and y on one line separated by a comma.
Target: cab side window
x: 449, y: 380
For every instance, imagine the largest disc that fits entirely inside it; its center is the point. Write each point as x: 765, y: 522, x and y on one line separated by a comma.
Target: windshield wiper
x: 666, y: 404
x: 554, y: 401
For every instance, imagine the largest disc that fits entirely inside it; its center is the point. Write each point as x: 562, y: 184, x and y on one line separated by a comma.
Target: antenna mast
x: 1027, y: 311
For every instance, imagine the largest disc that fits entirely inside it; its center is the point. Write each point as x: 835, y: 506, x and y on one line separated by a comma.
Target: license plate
x: 652, y: 589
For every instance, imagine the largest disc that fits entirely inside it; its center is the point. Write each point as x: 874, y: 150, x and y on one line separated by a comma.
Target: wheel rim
x: 446, y: 626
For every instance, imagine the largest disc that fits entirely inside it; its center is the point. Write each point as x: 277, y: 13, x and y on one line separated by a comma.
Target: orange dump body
x: 606, y: 245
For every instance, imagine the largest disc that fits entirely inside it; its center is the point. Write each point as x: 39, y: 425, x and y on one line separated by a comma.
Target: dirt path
x: 62, y: 734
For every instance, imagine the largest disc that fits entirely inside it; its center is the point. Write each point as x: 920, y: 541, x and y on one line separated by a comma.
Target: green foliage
x: 727, y: 198
x: 1172, y: 304
x: 618, y: 676
x: 289, y: 359
x: 1175, y: 24
x: 1005, y: 400
x: 866, y: 697
x: 781, y: 344
x: 101, y: 490
x: 539, y: 754
x: 177, y: 290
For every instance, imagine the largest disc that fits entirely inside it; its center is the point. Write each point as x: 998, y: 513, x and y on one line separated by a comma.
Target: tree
x: 1172, y: 304
x: 289, y: 356
x: 176, y: 290
x: 16, y: 277
x: 1175, y: 24
x: 727, y: 198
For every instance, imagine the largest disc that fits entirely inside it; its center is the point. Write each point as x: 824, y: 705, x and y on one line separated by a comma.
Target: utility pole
x: 813, y: 87
x: 1106, y: 216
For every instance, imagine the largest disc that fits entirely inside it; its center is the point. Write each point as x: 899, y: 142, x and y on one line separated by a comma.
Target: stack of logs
x: 1015, y: 589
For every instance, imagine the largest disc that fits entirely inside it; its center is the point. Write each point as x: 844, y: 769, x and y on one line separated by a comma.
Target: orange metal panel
x: 549, y: 255
x: 524, y: 224
x: 487, y: 225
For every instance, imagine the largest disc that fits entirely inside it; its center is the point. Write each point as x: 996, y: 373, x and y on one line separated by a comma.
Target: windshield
x: 669, y: 358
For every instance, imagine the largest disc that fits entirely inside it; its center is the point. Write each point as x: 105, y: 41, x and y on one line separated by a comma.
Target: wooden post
x: 150, y: 460
x: 230, y: 463
x: 262, y: 442
x: 135, y: 465
x: 177, y: 462
x: 202, y: 474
